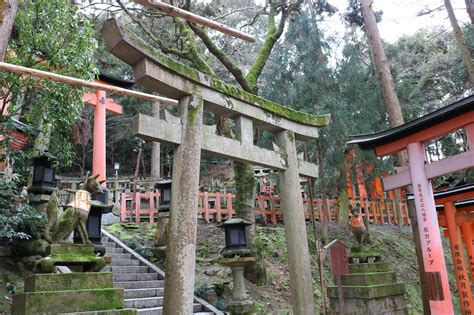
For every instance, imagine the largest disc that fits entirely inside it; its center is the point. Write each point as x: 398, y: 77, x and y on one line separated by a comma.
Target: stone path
x: 143, y: 281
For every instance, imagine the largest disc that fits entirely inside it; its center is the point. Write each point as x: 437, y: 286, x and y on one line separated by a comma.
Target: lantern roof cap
x: 334, y: 243
x: 234, y: 221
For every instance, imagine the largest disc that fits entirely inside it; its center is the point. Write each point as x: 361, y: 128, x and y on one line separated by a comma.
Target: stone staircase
x: 142, y: 281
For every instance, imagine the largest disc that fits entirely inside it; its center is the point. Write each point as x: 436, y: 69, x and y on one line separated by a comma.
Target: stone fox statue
x: 60, y: 227
x: 359, y: 225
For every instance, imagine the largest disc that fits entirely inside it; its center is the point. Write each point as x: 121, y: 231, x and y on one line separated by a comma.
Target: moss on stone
x: 220, y: 86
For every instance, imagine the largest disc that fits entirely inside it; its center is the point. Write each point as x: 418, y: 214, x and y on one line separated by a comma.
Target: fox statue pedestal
x: 369, y: 289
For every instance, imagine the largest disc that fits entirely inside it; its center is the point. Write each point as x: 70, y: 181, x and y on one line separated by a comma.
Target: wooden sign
x: 338, y: 261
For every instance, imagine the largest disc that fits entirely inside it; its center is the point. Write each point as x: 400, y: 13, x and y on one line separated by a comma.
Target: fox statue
x: 59, y: 228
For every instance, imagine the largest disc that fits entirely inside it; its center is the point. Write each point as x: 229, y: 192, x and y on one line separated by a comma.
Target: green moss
x: 193, y: 111
x: 220, y: 86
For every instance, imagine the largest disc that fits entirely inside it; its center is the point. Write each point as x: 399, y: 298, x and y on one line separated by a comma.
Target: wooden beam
x: 177, y: 12
x: 442, y: 167
x: 44, y: 75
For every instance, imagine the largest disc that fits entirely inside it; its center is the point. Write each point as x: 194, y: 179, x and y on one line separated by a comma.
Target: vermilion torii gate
x: 198, y: 93
x: 412, y: 136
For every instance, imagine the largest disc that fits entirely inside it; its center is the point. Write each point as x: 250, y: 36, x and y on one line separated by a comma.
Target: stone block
x: 393, y: 305
x: 369, y: 267
x: 368, y: 292
x: 47, y: 303
x: 368, y: 279
x: 69, y: 281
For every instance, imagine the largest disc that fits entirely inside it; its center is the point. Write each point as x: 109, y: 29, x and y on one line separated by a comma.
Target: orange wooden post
x: 206, y: 206
x: 462, y: 278
x: 218, y: 207
x: 101, y: 104
x: 350, y: 188
x: 389, y: 205
x: 273, y: 209
x: 320, y: 210
x: 137, y: 207
x: 467, y: 235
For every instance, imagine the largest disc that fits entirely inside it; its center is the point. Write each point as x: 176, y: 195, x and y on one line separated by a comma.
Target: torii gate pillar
x: 98, y: 151
x: 301, y: 280
x: 430, y: 238
x: 181, y: 246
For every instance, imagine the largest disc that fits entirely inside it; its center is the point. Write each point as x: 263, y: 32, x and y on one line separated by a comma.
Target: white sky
x: 400, y: 16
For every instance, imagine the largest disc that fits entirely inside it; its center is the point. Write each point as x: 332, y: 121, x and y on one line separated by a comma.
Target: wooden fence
x: 215, y: 207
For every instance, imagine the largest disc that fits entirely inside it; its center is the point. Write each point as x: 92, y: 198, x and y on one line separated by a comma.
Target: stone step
x: 142, y: 293
x: 119, y: 255
x: 114, y: 250
x: 147, y: 302
x: 367, y: 279
x: 125, y: 262
x: 123, y: 311
x: 136, y: 276
x: 69, y: 281
x: 140, y: 284
x: 159, y: 310
x: 126, y: 269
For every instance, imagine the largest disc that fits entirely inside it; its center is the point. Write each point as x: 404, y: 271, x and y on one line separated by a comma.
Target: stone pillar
x: 238, y: 293
x: 301, y: 280
x: 181, y: 246
x: 155, y: 146
x: 436, y: 276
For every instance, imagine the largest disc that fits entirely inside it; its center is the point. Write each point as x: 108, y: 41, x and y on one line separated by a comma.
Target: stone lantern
x: 237, y: 256
x: 43, y: 176
x: 165, y: 194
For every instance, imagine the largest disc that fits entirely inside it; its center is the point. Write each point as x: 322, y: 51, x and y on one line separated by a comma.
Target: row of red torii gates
x: 455, y: 205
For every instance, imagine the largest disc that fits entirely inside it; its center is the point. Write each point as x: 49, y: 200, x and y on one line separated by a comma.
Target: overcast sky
x: 400, y: 16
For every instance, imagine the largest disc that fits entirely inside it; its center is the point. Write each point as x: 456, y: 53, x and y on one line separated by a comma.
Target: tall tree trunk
x: 392, y: 103
x: 7, y: 17
x: 155, y: 147
x: 470, y: 9
x: 322, y: 185
x: 466, y: 55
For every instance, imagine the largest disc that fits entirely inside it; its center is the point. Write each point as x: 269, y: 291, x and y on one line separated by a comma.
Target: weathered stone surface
x: 301, y: 280
x: 181, y: 246
x: 368, y: 292
x: 369, y: 267
x: 393, y: 305
x: 66, y: 301
x: 369, y: 279
x: 69, y: 281
x: 71, y: 255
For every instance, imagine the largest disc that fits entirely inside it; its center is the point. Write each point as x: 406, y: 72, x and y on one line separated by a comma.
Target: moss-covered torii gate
x: 198, y: 93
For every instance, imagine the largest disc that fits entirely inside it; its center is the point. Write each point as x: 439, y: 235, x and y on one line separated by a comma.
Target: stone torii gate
x: 197, y: 93
x: 412, y: 136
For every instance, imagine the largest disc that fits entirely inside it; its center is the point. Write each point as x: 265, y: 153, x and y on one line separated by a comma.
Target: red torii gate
x: 102, y: 105
x: 412, y: 136
x: 455, y: 212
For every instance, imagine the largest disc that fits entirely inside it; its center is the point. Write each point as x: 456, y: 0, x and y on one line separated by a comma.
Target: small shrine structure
x: 197, y: 93
x: 412, y: 136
